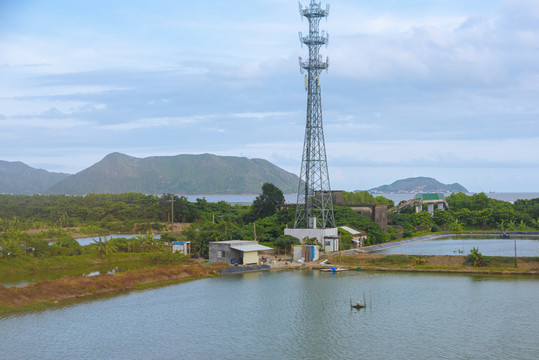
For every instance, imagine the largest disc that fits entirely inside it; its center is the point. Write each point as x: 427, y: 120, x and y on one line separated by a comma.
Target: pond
x: 293, y: 315
x: 458, y: 245
x: 92, y: 239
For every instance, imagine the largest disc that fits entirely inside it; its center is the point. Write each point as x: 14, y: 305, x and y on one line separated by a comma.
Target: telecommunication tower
x: 314, y: 204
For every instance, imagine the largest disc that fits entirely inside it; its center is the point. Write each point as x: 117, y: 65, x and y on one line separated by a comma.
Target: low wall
x: 243, y: 269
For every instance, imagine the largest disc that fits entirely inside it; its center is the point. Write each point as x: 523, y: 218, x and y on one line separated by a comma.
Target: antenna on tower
x: 314, y: 203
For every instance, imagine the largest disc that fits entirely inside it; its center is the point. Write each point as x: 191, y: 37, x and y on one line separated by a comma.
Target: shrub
x: 475, y: 258
x: 66, y: 246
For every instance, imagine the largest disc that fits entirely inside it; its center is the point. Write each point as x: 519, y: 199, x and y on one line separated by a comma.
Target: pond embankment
x: 73, y: 287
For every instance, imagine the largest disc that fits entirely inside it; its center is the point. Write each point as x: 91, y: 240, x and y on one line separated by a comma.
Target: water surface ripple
x: 293, y: 315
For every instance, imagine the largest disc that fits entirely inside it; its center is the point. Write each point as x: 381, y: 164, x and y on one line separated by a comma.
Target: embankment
x: 68, y: 288
x: 438, y: 263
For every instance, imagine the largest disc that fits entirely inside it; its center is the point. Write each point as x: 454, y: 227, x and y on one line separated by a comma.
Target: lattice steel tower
x: 314, y: 204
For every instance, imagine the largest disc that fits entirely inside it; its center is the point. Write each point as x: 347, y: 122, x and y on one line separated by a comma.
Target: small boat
x: 357, y: 305
x: 333, y: 269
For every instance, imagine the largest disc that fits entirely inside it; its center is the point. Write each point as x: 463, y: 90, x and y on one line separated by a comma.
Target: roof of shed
x: 248, y: 248
x: 350, y: 230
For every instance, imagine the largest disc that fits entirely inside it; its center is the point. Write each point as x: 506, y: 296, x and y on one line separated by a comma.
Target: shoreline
x: 47, y: 294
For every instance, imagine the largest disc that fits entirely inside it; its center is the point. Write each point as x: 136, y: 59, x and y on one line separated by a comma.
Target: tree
x: 266, y: 204
x: 105, y: 247
x: 456, y: 226
x: 284, y: 243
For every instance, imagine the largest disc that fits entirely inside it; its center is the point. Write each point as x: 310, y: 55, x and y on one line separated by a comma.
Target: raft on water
x: 333, y: 269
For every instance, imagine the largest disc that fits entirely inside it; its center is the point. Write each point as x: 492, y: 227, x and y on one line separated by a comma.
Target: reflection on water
x: 293, y: 315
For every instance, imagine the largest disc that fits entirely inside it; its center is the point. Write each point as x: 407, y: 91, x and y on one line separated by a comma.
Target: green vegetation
x: 476, y: 212
x: 19, y: 178
x: 487, y: 264
x: 364, y: 198
x: 184, y: 174
x: 266, y: 204
x: 419, y: 184
x: 475, y: 258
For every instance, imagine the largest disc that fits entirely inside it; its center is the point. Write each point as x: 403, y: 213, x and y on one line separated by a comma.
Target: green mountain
x: 419, y: 185
x: 180, y: 174
x: 20, y: 179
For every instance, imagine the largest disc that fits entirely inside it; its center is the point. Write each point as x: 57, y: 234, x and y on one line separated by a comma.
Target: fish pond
x: 461, y: 245
x: 292, y: 315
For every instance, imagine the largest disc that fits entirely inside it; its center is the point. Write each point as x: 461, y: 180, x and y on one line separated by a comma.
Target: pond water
x: 526, y: 247
x: 90, y: 240
x: 293, y: 315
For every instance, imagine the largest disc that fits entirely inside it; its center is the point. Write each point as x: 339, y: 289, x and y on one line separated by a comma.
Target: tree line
x: 473, y: 212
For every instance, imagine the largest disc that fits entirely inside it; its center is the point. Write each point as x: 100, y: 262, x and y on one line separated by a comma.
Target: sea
x: 247, y: 199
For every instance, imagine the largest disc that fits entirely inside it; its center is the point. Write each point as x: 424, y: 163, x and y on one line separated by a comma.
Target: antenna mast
x: 314, y: 203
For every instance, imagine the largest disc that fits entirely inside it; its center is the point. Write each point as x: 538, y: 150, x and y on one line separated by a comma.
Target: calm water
x: 526, y: 247
x: 90, y: 240
x: 247, y: 199
x: 293, y: 315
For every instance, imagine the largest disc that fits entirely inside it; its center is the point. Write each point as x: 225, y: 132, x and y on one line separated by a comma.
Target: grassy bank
x: 30, y: 264
x: 438, y: 263
x: 44, y: 293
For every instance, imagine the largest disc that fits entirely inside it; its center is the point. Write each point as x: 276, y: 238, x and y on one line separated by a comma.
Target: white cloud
x: 151, y: 122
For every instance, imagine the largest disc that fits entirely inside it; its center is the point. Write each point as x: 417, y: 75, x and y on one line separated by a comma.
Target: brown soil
x: 78, y: 287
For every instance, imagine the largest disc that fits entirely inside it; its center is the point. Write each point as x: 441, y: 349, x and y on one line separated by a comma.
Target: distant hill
x: 20, y: 179
x: 181, y: 174
x: 417, y: 185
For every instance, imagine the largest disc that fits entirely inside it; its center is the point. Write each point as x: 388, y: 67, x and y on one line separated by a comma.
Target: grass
x: 438, y: 263
x: 30, y: 264
x: 46, y: 293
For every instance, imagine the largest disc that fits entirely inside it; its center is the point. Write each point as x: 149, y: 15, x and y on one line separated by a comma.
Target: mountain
x: 180, y: 174
x: 419, y: 185
x: 21, y: 179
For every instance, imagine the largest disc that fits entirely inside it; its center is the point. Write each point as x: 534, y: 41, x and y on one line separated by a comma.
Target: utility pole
x: 314, y: 203
x: 172, y: 212
x: 515, y: 240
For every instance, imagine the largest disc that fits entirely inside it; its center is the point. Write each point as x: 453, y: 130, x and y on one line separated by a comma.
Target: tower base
x: 318, y: 233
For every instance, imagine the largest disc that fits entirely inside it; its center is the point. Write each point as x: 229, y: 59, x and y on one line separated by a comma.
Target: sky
x: 441, y: 88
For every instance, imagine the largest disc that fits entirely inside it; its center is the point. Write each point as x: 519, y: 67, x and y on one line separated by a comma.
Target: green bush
x: 284, y: 243
x: 475, y: 258
x: 66, y: 246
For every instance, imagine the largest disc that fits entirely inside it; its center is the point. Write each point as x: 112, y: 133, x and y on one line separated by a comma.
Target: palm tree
x: 456, y: 226
x: 501, y: 225
x: 105, y: 247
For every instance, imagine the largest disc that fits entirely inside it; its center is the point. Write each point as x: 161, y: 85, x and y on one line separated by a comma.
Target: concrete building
x: 377, y: 213
x: 318, y: 233
x: 236, y: 252
x: 431, y: 200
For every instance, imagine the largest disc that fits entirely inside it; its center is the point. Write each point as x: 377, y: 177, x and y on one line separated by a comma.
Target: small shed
x: 305, y: 253
x: 331, y: 243
x: 182, y: 247
x: 358, y: 236
x: 236, y: 251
